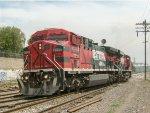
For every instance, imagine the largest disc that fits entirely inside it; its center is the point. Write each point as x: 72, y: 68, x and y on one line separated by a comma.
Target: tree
x: 29, y: 41
x: 11, y: 39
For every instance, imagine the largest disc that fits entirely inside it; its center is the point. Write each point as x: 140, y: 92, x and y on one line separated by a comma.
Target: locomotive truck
x: 56, y: 60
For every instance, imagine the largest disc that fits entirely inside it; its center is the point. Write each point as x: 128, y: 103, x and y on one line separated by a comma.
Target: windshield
x: 58, y: 37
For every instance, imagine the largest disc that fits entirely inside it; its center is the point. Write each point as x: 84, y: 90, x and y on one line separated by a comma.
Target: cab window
x: 34, y: 39
x: 58, y: 37
x: 37, y: 38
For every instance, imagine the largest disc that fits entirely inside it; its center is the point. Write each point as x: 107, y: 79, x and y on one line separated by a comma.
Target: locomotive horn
x: 103, y: 41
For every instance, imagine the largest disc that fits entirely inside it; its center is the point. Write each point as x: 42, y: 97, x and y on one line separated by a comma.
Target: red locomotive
x: 58, y: 60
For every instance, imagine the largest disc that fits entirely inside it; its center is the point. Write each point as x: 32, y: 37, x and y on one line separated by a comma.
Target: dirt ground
x: 129, y: 97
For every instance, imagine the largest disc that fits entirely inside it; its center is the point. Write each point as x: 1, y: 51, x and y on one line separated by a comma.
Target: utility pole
x: 145, y: 30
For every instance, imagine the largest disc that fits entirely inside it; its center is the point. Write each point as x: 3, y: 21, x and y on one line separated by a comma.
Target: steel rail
x: 12, y: 99
x: 84, y: 104
x: 32, y: 103
x: 40, y: 101
x: 72, y: 100
x: 13, y: 92
x: 21, y: 103
x: 9, y: 96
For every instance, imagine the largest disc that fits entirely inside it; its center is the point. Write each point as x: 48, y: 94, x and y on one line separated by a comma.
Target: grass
x: 148, y: 80
x: 110, y: 112
x: 114, y: 106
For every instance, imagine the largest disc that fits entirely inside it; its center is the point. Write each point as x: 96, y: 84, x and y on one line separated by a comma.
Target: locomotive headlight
x: 26, y: 77
x: 40, y: 46
x: 45, y: 76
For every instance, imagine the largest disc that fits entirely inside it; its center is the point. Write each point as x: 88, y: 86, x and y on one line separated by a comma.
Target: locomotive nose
x: 41, y: 51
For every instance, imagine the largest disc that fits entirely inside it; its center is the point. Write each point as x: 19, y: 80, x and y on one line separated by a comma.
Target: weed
x: 114, y: 106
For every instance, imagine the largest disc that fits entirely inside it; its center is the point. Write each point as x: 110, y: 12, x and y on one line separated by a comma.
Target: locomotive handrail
x: 51, y: 61
x: 57, y: 63
x: 31, y: 61
x: 120, y: 70
x: 55, y: 66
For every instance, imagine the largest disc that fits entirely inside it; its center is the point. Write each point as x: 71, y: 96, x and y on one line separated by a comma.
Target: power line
x: 145, y: 30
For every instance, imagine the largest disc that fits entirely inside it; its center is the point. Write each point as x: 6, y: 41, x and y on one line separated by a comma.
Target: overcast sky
x: 113, y: 20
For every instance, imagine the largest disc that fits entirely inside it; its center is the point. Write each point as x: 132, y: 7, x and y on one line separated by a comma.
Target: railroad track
x: 2, y: 90
x: 12, y: 98
x: 9, y: 93
x: 84, y: 104
x: 9, y: 96
x: 80, y: 99
x: 19, y: 106
x: 26, y: 104
x: 75, y: 100
x: 30, y: 103
x: 21, y: 103
x: 7, y: 90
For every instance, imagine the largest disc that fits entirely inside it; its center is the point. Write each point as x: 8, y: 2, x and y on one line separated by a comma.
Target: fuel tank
x: 98, y: 79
